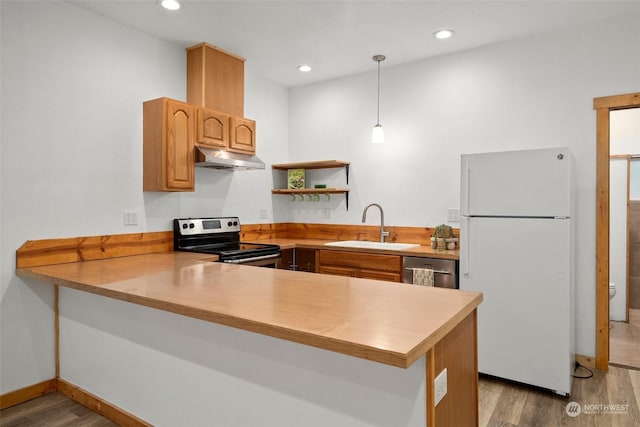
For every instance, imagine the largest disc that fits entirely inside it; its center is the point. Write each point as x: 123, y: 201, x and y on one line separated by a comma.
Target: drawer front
x: 392, y: 263
x: 338, y: 271
x: 380, y: 275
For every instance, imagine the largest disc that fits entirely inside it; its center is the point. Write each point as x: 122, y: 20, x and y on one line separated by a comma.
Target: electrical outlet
x: 130, y: 218
x: 263, y: 213
x: 440, y: 386
x: 326, y: 213
x: 453, y: 215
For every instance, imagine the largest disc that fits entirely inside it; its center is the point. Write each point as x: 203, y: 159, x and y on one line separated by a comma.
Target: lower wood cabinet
x: 360, y: 264
x: 298, y: 259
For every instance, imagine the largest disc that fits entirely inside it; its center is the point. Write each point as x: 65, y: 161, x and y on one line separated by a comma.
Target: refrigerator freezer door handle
x: 464, y: 248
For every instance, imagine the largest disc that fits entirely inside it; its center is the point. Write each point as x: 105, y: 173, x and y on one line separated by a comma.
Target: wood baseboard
x: 83, y: 397
x: 99, y: 405
x: 27, y: 393
x: 586, y: 361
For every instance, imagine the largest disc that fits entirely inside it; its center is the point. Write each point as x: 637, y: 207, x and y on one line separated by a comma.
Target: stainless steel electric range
x: 221, y: 236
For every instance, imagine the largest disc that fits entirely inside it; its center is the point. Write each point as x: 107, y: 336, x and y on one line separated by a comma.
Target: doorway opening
x: 603, y: 107
x: 624, y: 238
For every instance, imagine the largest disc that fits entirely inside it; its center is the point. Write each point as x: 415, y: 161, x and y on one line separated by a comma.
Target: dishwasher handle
x: 435, y: 271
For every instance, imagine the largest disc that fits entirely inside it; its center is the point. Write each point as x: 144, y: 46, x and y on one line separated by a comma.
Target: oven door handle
x: 252, y: 259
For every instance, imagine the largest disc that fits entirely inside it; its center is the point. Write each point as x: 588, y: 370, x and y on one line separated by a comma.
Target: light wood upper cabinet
x: 215, y: 79
x: 212, y: 128
x: 168, y: 145
x: 243, y: 135
x: 215, y: 82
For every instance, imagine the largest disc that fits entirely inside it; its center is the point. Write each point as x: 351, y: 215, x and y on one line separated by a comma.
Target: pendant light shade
x: 377, y: 137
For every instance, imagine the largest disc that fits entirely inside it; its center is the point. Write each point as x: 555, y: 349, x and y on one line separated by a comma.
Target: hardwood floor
x: 501, y: 404
x: 624, y: 341
x: 508, y: 404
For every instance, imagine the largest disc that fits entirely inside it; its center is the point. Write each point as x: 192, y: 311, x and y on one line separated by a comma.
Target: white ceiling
x: 339, y: 38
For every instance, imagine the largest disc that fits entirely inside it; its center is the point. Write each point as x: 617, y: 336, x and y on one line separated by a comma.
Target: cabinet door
x: 180, y: 145
x: 286, y: 259
x: 243, y: 135
x: 213, y: 128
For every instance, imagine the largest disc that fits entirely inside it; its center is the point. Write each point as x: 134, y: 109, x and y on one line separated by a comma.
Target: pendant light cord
x: 378, y: 117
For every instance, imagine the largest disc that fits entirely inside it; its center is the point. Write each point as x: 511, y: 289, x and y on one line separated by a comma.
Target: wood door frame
x: 603, y: 107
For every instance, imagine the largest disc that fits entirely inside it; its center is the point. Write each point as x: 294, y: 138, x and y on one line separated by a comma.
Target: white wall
x: 73, y: 84
x: 529, y: 93
x: 161, y: 366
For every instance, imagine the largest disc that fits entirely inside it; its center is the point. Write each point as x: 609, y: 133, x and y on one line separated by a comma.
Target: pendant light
x: 377, y: 137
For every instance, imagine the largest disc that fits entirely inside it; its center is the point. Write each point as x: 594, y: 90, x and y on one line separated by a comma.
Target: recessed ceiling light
x: 170, y: 4
x: 443, y: 34
x: 304, y: 68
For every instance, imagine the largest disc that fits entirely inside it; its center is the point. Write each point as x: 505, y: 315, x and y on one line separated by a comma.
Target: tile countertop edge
x: 315, y: 339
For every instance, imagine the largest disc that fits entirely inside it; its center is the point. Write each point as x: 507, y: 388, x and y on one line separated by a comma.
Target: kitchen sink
x: 372, y: 245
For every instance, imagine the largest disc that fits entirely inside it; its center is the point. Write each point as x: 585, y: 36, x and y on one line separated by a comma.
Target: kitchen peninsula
x: 160, y: 347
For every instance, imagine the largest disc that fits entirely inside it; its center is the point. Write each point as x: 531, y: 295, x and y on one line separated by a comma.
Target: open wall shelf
x: 322, y: 164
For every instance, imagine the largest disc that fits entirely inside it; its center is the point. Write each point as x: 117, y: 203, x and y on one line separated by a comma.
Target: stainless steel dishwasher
x: 445, y: 271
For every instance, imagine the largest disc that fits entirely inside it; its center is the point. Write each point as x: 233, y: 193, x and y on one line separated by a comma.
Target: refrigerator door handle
x: 466, y: 190
x: 464, y: 248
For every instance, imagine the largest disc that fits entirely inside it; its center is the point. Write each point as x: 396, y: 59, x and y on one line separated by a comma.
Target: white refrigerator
x: 516, y: 247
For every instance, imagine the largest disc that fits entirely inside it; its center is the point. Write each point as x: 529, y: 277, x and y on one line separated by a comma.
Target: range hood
x: 219, y: 159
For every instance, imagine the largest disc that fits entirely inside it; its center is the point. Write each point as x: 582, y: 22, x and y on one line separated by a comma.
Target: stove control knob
x: 235, y: 223
x: 229, y: 223
x: 192, y: 225
x: 184, y: 226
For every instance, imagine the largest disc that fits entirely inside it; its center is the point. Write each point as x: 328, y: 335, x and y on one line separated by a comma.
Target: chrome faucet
x: 383, y: 233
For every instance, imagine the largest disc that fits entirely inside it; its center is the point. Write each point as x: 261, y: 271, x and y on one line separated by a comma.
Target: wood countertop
x: 385, y: 322
x: 420, y: 251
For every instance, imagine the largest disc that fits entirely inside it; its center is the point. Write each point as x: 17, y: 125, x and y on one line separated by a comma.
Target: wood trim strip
x: 34, y: 253
x: 616, y: 102
x: 99, y: 405
x: 56, y: 326
x: 603, y: 106
x: 27, y: 393
x: 602, y: 238
x: 431, y: 390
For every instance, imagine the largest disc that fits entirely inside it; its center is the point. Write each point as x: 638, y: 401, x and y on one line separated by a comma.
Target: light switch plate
x: 130, y: 218
x: 453, y: 215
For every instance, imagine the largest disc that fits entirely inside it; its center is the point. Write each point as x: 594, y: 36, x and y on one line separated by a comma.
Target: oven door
x: 270, y: 261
